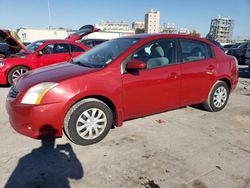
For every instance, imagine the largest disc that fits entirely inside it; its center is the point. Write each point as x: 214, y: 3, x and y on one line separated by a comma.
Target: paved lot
x: 188, y: 147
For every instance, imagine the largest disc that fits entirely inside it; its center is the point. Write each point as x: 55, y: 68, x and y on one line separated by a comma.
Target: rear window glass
x: 194, y: 50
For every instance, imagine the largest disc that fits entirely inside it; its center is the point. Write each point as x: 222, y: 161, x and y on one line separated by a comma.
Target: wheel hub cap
x: 91, y: 123
x: 220, y: 97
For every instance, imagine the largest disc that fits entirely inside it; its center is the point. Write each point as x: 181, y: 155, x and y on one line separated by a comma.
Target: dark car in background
x: 226, y: 47
x: 239, y: 51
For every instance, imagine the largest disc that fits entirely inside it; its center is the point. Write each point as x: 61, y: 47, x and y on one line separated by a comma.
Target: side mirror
x: 135, y: 65
x: 39, y: 53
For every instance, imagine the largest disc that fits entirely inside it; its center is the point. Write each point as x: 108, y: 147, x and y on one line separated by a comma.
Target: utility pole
x: 49, y: 14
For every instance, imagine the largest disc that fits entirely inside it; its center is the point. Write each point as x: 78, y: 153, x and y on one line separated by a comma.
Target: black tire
x: 13, y: 73
x: 76, y: 112
x: 212, y: 104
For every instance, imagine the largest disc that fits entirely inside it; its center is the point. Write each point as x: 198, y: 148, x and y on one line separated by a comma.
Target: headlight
x: 36, y: 93
x: 1, y: 64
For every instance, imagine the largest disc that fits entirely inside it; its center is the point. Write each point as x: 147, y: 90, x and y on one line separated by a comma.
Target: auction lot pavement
x: 183, y: 148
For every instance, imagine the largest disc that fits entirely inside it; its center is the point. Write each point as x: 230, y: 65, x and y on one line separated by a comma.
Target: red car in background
x: 21, y: 59
x: 121, y: 79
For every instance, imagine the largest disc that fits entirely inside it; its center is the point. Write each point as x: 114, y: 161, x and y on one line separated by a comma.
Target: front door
x: 156, y: 88
x: 54, y: 53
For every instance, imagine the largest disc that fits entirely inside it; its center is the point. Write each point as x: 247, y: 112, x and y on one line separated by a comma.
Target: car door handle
x: 173, y: 75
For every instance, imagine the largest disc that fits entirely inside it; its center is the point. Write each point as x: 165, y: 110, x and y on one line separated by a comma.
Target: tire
x: 83, y: 127
x: 213, y: 103
x: 15, y: 73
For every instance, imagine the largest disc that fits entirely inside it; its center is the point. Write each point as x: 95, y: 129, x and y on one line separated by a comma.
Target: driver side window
x: 157, y: 54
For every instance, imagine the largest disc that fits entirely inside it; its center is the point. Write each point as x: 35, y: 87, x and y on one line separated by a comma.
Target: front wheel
x: 15, y: 73
x: 88, y: 122
x: 217, y: 98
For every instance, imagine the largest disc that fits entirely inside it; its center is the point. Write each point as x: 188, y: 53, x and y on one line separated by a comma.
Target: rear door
x: 156, y: 88
x: 197, y: 71
x: 54, y: 53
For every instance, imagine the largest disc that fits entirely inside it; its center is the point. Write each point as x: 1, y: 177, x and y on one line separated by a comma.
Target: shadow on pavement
x: 46, y: 166
x: 244, y: 72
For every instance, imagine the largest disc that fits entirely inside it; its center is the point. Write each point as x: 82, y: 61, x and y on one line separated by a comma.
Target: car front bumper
x: 3, y: 79
x: 36, y: 121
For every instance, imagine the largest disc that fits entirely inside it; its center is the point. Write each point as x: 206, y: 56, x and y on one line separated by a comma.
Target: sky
x: 191, y: 14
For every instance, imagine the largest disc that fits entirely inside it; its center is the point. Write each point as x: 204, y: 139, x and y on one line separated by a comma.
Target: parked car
x: 226, y: 47
x: 247, y: 57
x: 40, y: 53
x: 118, y: 80
x: 216, y: 43
x: 92, y: 42
x: 239, y: 51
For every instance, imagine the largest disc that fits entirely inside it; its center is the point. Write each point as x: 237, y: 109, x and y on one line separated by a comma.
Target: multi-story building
x: 184, y: 31
x: 111, y: 26
x: 152, y: 21
x: 138, y: 26
x: 221, y: 29
x: 169, y: 28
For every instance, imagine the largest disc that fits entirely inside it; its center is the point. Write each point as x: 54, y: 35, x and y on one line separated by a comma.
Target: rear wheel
x: 15, y: 73
x: 88, y: 122
x: 218, y: 97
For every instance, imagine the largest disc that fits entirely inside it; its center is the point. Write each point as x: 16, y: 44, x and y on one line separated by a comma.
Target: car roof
x: 159, y: 35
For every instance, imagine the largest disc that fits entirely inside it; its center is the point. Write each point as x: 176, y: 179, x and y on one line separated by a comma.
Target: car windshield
x: 33, y: 46
x: 103, y: 54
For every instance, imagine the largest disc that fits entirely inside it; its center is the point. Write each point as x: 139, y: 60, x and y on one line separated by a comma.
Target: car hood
x: 54, y: 73
x: 83, y: 31
x: 14, y: 44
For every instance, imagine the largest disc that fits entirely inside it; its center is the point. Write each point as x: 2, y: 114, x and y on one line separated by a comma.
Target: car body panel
x: 130, y: 95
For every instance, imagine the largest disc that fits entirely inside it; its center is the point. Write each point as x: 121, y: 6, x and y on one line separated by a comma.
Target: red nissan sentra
x: 121, y: 79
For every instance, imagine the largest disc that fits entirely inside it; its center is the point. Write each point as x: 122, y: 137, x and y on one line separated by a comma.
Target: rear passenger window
x: 194, y: 50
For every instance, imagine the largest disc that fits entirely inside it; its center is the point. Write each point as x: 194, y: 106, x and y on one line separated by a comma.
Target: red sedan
x: 118, y: 80
x: 38, y: 54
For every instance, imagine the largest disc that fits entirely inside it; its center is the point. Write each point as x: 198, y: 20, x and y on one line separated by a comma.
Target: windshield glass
x: 103, y: 54
x: 33, y: 46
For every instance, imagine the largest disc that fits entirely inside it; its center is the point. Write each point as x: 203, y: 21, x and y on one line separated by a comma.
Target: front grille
x: 13, y: 92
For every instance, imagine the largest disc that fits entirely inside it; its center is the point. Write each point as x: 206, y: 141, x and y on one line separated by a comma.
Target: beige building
x: 110, y: 26
x: 152, y: 21
x: 184, y: 31
x: 169, y: 28
x: 221, y: 29
x: 138, y: 26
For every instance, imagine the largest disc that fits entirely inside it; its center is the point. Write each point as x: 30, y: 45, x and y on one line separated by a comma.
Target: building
x: 184, y: 31
x: 152, y: 21
x: 221, y: 29
x: 111, y: 26
x: 169, y: 28
x: 30, y: 35
x: 138, y: 26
